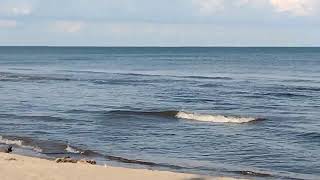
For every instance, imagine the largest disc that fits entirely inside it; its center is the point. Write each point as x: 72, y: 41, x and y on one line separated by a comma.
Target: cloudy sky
x: 160, y: 22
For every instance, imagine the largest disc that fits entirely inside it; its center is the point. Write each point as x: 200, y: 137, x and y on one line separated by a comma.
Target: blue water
x: 242, y: 112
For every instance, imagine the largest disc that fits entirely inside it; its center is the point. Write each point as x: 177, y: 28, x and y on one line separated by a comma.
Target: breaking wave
x: 191, y: 116
x: 214, y: 118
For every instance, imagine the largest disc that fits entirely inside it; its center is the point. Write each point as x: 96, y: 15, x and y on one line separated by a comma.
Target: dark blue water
x: 243, y: 112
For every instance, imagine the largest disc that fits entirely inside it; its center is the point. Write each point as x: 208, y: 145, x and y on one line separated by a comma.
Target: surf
x: 19, y: 143
x: 214, y: 118
x: 193, y: 116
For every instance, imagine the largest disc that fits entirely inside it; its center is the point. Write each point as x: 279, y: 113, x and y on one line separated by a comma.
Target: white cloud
x: 15, y: 9
x: 241, y: 2
x: 8, y: 23
x: 208, y: 7
x: 69, y: 26
x: 295, y: 7
x: 23, y: 10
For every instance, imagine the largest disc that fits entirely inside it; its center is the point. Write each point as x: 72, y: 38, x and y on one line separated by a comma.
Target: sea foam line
x: 10, y: 142
x: 18, y: 143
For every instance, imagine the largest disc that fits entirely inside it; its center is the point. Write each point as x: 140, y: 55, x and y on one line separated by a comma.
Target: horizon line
x: 94, y: 46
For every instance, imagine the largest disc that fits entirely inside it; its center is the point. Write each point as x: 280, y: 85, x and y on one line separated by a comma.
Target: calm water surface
x: 242, y: 112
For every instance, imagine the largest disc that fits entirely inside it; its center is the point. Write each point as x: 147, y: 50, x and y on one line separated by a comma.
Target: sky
x: 160, y: 22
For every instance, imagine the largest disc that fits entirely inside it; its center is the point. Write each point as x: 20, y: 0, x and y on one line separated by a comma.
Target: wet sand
x: 17, y: 167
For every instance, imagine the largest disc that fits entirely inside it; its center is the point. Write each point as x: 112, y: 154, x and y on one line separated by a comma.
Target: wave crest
x: 191, y: 116
x: 214, y: 118
x: 178, y: 115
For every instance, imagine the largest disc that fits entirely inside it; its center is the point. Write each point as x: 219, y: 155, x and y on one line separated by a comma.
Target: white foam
x: 10, y: 142
x: 213, y: 118
x: 18, y: 143
x: 36, y: 149
x: 72, y: 150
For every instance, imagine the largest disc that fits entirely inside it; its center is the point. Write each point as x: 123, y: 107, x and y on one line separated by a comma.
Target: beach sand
x: 17, y: 167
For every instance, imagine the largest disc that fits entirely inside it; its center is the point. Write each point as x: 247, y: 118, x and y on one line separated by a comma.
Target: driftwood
x: 66, y: 160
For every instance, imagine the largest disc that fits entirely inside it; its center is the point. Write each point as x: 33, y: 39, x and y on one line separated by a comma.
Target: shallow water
x: 244, y: 112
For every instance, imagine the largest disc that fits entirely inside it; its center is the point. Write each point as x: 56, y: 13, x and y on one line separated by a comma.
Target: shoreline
x: 16, y: 167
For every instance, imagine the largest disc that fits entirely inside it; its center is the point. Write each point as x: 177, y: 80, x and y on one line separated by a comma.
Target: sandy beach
x: 17, y: 167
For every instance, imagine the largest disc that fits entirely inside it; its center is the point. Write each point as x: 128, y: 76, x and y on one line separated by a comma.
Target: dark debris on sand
x: 6, y: 149
x: 70, y: 160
